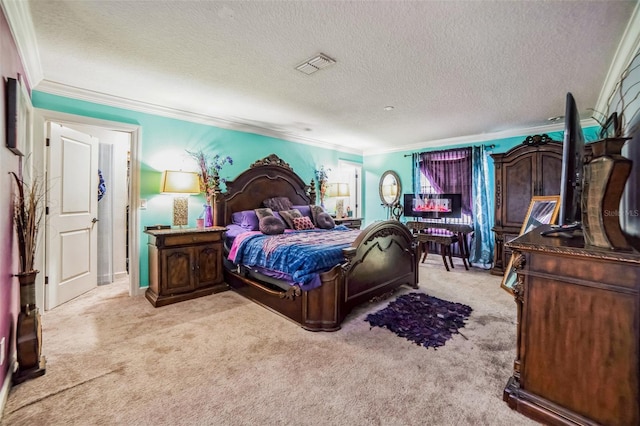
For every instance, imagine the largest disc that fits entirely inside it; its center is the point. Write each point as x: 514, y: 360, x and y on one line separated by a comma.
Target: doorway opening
x: 118, y: 216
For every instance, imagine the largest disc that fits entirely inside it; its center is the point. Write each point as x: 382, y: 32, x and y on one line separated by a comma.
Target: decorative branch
x: 27, y: 216
x: 623, y: 102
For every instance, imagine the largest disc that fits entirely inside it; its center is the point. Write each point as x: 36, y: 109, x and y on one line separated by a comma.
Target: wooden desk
x: 462, y: 230
x: 578, y: 351
x: 444, y: 240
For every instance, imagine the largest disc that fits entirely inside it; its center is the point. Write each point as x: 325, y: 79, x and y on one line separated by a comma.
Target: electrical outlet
x: 143, y: 204
x: 2, y: 351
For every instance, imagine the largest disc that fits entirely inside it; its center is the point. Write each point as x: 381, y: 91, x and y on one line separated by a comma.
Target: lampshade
x: 180, y: 182
x: 338, y: 190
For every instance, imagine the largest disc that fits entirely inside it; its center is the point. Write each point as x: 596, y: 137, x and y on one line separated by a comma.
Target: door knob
x: 94, y: 220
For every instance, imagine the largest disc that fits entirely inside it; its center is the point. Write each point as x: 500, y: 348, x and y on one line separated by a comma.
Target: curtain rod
x: 491, y: 146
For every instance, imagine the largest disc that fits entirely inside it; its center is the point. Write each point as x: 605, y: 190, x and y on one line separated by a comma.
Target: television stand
x: 562, y: 231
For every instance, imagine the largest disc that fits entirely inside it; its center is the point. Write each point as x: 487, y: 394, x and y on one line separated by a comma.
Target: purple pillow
x: 246, y: 219
x: 271, y: 225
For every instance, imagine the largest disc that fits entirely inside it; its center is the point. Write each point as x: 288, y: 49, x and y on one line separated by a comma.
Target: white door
x: 72, y: 200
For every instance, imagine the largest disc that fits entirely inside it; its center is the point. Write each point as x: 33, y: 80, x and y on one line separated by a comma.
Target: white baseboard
x: 6, y: 387
x: 139, y: 291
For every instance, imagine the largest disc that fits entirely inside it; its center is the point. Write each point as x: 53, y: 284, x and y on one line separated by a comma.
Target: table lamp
x: 184, y: 184
x: 340, y: 191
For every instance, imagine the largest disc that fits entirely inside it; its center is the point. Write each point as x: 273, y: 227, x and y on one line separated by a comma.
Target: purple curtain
x: 449, y: 172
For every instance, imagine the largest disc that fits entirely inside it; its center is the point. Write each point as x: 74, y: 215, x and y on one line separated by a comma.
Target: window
x: 447, y: 172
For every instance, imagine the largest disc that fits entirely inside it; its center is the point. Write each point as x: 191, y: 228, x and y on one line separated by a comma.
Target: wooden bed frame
x: 382, y: 258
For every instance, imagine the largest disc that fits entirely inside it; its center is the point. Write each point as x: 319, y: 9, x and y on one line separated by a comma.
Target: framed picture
x: 19, y: 116
x: 543, y: 210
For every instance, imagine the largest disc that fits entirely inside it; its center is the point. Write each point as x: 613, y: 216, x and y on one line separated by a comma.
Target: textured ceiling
x: 451, y: 69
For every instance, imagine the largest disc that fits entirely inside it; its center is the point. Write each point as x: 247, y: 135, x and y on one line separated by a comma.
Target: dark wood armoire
x: 530, y: 169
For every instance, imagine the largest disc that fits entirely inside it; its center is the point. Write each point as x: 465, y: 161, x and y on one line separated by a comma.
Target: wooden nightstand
x: 349, y: 222
x: 184, y: 264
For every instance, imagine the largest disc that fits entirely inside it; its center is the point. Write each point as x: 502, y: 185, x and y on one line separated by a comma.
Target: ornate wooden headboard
x: 266, y: 178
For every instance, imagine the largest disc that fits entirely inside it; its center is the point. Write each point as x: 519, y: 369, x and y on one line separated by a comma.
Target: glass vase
x: 208, y: 216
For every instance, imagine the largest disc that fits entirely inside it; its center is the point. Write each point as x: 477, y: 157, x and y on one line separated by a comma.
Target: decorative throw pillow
x: 277, y: 203
x: 315, y: 211
x: 305, y: 210
x: 302, y: 223
x: 325, y: 221
x: 263, y: 212
x: 246, y: 218
x: 289, y: 215
x: 271, y: 225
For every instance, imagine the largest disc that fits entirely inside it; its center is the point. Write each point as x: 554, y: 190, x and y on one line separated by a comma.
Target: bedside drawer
x: 179, y: 237
x: 179, y: 240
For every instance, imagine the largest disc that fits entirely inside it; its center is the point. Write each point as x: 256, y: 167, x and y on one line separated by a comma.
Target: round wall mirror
x: 390, y: 188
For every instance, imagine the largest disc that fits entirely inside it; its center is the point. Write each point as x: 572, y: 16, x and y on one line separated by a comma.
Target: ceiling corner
x: 629, y: 45
x: 21, y: 25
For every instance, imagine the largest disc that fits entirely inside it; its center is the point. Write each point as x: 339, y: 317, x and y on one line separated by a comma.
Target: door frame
x: 41, y: 117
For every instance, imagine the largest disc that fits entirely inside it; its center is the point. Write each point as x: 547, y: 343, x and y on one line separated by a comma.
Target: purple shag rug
x: 423, y: 319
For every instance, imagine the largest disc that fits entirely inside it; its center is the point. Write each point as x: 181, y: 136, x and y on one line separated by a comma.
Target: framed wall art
x: 543, y: 210
x: 19, y: 116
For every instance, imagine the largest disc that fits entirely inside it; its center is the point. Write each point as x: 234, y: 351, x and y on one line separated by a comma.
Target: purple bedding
x: 300, y: 255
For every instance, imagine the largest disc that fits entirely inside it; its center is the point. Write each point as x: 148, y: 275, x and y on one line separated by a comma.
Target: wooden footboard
x: 382, y: 258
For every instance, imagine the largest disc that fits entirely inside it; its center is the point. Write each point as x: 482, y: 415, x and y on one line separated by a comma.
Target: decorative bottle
x: 208, y: 216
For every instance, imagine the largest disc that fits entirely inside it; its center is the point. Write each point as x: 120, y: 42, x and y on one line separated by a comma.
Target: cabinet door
x: 177, y: 270
x: 549, y: 173
x: 208, y: 265
x: 518, y: 179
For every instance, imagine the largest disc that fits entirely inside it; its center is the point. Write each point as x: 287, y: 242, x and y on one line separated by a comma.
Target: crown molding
x: 484, y: 137
x: 59, y: 89
x: 21, y: 25
x: 629, y: 45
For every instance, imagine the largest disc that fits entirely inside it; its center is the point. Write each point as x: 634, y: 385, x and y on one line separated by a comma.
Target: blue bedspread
x: 302, y: 255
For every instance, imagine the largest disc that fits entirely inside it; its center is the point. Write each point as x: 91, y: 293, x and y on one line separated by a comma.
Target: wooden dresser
x: 578, y: 337
x: 184, y: 264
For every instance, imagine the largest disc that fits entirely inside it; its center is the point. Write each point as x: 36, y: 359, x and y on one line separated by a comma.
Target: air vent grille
x: 316, y: 63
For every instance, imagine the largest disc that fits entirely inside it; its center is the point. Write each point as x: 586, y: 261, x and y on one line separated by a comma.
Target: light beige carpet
x: 223, y: 360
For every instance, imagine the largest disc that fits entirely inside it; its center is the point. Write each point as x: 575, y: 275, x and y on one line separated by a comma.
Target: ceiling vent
x: 315, y: 64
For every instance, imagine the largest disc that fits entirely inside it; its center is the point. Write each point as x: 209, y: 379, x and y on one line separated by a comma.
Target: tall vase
x: 27, y: 282
x: 31, y: 363
x: 604, y: 180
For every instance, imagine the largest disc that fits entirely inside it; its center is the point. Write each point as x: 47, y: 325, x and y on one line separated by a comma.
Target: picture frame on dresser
x: 19, y: 116
x: 543, y: 210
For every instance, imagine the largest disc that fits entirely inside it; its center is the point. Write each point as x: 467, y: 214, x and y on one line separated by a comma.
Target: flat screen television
x: 433, y: 206
x: 572, y: 166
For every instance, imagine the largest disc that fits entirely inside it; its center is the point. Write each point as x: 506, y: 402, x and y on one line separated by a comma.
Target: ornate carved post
x: 312, y: 191
x: 519, y: 261
x: 218, y: 203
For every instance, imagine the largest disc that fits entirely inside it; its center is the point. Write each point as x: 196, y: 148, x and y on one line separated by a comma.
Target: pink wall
x: 10, y: 66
